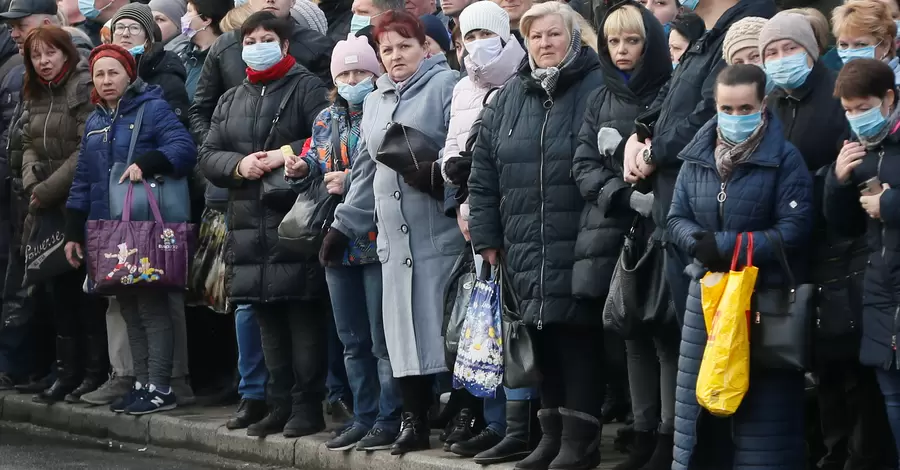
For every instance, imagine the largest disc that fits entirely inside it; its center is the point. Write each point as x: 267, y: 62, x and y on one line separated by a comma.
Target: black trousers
x: 76, y: 314
x: 417, y: 392
x: 854, y: 423
x: 571, y: 359
x: 294, y: 345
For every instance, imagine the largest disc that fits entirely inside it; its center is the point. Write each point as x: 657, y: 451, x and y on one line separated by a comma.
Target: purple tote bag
x: 132, y: 256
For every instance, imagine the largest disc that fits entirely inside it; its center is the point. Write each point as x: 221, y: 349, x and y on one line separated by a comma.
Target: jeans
x: 294, y: 345
x: 251, y: 364
x: 336, y: 382
x: 571, y: 359
x: 117, y: 336
x: 495, y: 408
x: 652, y: 373
x: 17, y: 358
x: 889, y: 382
x: 148, y: 319
x: 356, y: 300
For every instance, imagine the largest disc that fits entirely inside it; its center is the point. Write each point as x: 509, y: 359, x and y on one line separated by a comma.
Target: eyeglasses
x: 133, y: 29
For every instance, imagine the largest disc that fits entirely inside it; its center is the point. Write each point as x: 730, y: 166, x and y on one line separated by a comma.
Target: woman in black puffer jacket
x: 524, y: 203
x: 635, y: 62
x: 284, y: 290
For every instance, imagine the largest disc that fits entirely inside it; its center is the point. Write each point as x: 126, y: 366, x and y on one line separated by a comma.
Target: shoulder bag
x: 275, y: 188
x: 519, y: 359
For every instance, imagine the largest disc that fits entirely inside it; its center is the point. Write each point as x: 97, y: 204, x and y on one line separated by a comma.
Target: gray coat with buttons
x: 417, y: 241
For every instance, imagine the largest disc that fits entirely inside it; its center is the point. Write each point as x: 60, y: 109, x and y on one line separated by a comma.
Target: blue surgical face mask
x: 262, y: 55
x: 788, y: 72
x: 690, y: 4
x: 847, y: 55
x: 868, y: 123
x: 770, y: 85
x: 667, y: 28
x: 897, y: 22
x: 674, y: 65
x: 136, y: 50
x: 355, y: 94
x: 86, y: 7
x: 359, y: 22
x: 737, y: 128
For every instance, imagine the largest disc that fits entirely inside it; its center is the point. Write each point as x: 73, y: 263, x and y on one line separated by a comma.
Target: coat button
x: 404, y: 228
x: 397, y: 195
x: 408, y: 262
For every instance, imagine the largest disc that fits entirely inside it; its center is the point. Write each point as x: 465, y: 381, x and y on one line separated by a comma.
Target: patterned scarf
x: 549, y: 77
x: 729, y: 154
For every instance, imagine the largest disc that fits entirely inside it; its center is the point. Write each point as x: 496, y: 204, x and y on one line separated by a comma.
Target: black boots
x: 67, y: 378
x: 273, y: 422
x: 580, y: 445
x: 641, y: 450
x: 523, y: 431
x: 662, y: 455
x: 548, y: 448
x: 486, y: 440
x: 306, y: 419
x: 467, y: 425
x: 414, y: 434
x: 616, y: 406
x: 249, y: 412
x: 96, y: 368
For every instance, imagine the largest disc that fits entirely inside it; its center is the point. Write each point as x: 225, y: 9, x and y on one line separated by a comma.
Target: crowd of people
x: 535, y: 136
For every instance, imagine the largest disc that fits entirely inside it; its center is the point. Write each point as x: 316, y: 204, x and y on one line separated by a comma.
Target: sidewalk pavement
x: 203, y: 430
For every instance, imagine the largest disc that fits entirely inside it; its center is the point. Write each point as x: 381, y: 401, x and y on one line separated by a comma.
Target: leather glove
x: 641, y: 203
x: 707, y: 252
x: 458, y: 170
x: 427, y: 179
x: 334, y: 244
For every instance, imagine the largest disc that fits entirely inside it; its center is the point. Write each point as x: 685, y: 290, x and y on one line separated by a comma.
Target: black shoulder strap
x: 284, y: 101
x: 337, y: 160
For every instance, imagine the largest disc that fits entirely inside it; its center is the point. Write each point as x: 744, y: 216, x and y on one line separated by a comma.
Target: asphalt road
x: 32, y: 448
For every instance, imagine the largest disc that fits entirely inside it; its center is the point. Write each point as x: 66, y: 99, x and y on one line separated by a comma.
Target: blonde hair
x: 625, y: 20
x: 235, y: 17
x: 819, y: 25
x: 865, y: 17
x: 571, y: 19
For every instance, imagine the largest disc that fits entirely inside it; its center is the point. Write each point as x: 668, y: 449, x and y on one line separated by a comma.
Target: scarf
x: 549, y: 77
x: 59, y: 78
x: 875, y: 140
x: 275, y: 72
x: 729, y: 154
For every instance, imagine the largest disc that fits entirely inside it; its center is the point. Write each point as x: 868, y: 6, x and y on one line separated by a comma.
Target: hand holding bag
x: 519, y: 359
x: 132, y: 256
x: 782, y: 320
x: 406, y: 149
x: 276, y: 190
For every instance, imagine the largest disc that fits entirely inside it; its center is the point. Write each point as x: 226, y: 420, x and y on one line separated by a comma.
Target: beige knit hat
x: 741, y: 35
x: 793, y: 26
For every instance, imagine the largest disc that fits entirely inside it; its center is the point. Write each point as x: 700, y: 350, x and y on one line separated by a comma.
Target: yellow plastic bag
x: 725, y: 370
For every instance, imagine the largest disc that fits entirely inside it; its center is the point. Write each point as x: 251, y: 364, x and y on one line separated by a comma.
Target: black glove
x: 458, y: 170
x: 707, y: 251
x: 427, y: 179
x: 333, y: 246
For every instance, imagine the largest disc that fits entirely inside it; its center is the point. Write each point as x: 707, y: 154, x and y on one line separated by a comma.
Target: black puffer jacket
x: 686, y: 103
x: 225, y: 69
x: 521, y: 192
x: 259, y: 269
x: 164, y: 68
x: 339, y: 15
x: 597, y: 166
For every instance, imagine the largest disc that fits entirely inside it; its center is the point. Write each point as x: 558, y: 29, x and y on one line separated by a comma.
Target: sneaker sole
x: 161, y: 408
x: 96, y: 402
x: 342, y: 448
x: 374, y: 448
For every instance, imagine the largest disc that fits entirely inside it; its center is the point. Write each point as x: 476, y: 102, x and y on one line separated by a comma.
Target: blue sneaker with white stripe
x: 151, y: 401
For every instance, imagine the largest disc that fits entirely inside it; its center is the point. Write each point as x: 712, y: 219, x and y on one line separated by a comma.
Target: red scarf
x: 272, y: 73
x: 58, y: 78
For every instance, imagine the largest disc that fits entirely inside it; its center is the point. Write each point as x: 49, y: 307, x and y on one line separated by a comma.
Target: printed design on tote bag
x: 122, y: 256
x: 168, y: 240
x: 143, y: 273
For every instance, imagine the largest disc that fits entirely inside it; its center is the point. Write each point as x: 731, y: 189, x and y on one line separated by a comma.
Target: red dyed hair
x: 52, y: 36
x: 403, y: 23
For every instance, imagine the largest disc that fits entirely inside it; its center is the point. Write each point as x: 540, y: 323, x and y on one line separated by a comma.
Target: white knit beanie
x: 485, y: 15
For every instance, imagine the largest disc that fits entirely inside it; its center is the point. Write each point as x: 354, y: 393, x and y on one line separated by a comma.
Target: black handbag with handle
x: 277, y: 193
x: 781, y: 321
x: 519, y: 360
x: 405, y: 149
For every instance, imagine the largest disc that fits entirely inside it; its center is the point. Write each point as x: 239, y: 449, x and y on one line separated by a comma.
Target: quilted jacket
x: 769, y: 194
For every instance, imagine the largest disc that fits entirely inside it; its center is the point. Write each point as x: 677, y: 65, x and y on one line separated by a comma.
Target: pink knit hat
x: 354, y: 53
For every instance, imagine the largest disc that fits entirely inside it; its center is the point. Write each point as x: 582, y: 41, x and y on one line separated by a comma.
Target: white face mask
x: 484, y: 51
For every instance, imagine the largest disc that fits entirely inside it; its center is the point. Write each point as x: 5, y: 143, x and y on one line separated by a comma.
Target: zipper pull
x: 894, y: 342
x: 756, y: 318
x: 721, y: 196
x: 540, y: 325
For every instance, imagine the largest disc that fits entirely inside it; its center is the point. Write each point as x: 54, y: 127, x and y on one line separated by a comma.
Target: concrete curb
x: 194, y: 429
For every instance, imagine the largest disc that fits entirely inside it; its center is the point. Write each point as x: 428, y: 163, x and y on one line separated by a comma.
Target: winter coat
x: 687, y: 101
x: 522, y: 196
x: 769, y: 194
x: 163, y: 146
x: 473, y: 92
x: 225, y: 69
x: 164, y: 68
x: 417, y: 242
x: 192, y: 58
x: 881, y: 288
x: 813, y: 120
x: 259, y: 270
x: 597, y: 167
x: 52, y: 138
x: 339, y: 14
x: 320, y: 157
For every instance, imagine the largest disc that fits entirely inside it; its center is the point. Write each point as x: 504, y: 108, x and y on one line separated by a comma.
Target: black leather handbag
x: 405, y: 149
x: 637, y: 296
x: 519, y: 361
x: 781, y: 321
x: 277, y: 193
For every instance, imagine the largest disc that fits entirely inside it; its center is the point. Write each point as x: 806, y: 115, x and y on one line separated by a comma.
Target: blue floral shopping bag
x: 479, y: 360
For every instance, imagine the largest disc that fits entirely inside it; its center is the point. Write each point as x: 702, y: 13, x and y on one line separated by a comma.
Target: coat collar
x: 701, y: 150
